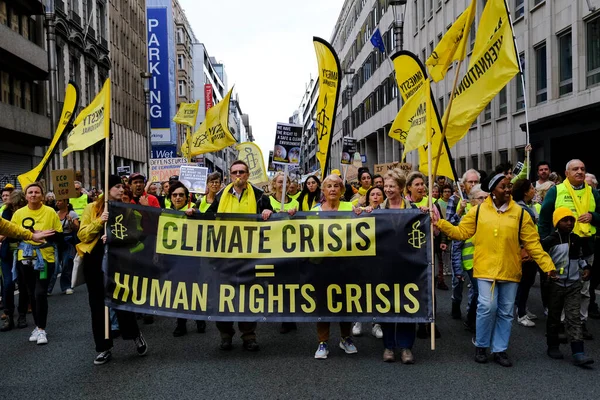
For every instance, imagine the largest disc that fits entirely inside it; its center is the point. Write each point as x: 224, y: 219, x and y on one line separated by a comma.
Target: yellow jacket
x: 90, y: 230
x: 497, y: 248
x: 14, y: 231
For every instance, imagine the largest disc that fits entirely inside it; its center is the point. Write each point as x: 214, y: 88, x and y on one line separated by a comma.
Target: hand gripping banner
x: 327, y: 266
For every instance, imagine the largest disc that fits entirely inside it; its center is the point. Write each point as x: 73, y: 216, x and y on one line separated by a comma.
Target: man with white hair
x: 584, y: 201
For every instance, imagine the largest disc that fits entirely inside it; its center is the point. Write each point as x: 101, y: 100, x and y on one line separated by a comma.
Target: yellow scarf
x: 582, y: 206
x: 305, y: 205
x: 230, y: 204
x: 362, y: 191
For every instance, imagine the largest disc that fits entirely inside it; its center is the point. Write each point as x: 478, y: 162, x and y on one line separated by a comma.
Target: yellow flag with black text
x: 453, y: 46
x: 493, y: 64
x: 92, y: 124
x: 213, y: 134
x: 411, y: 78
x: 329, y: 88
x: 187, y: 113
x: 409, y: 126
x: 251, y: 154
x: 66, y: 117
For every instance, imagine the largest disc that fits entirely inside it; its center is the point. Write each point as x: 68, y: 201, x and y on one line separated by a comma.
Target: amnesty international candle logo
x: 323, y: 121
x: 416, y: 236
x: 118, y: 229
x: 249, y: 158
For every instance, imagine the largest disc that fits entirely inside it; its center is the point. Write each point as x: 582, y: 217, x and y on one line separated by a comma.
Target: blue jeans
x: 400, y: 335
x: 65, y: 268
x: 495, y: 314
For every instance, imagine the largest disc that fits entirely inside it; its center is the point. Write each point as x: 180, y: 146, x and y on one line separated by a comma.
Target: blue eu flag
x: 377, y: 40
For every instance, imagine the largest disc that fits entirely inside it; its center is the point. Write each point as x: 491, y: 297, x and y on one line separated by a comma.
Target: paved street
x: 193, y: 367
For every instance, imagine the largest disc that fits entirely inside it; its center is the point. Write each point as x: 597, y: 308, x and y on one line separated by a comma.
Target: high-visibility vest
x: 79, y: 204
x: 467, y: 254
x: 563, y: 199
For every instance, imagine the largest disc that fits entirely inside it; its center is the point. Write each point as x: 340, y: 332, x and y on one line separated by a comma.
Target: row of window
x: 20, y: 93
x: 22, y: 24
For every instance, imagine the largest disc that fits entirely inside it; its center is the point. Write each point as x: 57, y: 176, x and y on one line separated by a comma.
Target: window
x: 423, y: 12
x: 503, y: 156
x: 430, y: 48
x: 536, y: 2
x: 463, y: 165
x: 423, y: 56
x: 180, y: 35
x: 430, y: 8
x: 472, y: 35
x: 487, y: 112
x: 475, y: 162
x: 519, y: 8
x: 488, y: 161
x: 541, y: 83
x: 565, y: 66
x: 180, y: 61
x: 441, y: 105
x: 181, y: 88
x: 519, y: 91
x: 439, y: 37
x: 502, y: 102
x: 593, y: 52
x: 416, y: 15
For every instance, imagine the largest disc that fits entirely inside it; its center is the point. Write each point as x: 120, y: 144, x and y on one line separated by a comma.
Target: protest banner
x: 161, y: 169
x: 63, y: 182
x: 288, y: 139
x: 328, y: 266
x: 383, y: 168
x: 124, y: 170
x: 194, y: 178
x: 348, y: 150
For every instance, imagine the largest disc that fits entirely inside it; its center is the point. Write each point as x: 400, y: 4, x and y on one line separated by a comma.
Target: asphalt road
x: 193, y: 366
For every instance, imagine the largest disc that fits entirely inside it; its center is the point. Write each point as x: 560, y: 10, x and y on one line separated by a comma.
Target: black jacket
x: 262, y: 201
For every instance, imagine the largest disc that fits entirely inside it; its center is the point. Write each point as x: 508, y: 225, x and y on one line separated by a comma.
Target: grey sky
x: 266, y: 47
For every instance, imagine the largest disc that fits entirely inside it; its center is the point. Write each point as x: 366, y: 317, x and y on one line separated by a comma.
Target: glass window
x: 503, y: 156
x: 488, y: 161
x: 593, y: 52
x: 416, y: 15
x: 463, y: 165
x: 430, y: 8
x: 472, y: 35
x: 475, y: 162
x: 441, y: 104
x: 519, y: 8
x: 519, y: 91
x: 565, y: 64
x: 541, y: 83
x: 487, y: 112
x: 502, y: 107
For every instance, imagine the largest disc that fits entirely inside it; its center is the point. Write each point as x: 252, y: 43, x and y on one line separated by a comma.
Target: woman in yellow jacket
x: 498, y: 227
x: 91, y: 248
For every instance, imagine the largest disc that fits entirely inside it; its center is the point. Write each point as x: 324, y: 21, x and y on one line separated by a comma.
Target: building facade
x: 24, y: 123
x: 559, y: 49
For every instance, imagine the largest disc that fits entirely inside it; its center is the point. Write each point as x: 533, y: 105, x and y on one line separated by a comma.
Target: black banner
x: 327, y: 266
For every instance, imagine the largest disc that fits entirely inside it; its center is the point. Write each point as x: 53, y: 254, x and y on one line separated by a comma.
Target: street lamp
x: 398, y: 9
x: 146, y: 79
x: 50, y: 22
x: 350, y: 73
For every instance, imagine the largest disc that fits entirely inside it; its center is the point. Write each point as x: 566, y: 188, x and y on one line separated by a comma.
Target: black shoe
x: 9, y: 324
x: 287, y: 327
x: 226, y: 344
x: 148, y: 319
x: 555, y: 353
x: 580, y: 359
x: 140, y: 345
x: 586, y: 334
x: 180, y: 329
x: 201, y: 326
x: 502, y: 359
x: 22, y: 322
x: 481, y: 355
x: 456, y: 313
x: 251, y: 345
x: 103, y: 357
x: 422, y: 331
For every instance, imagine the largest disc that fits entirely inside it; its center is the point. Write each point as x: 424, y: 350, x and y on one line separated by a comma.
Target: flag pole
x: 430, y: 205
x: 106, y: 190
x: 512, y: 28
x: 285, y: 173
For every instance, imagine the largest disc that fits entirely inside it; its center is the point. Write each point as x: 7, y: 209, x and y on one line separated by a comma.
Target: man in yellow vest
x: 240, y: 197
x: 584, y: 202
x: 79, y: 202
x: 6, y: 191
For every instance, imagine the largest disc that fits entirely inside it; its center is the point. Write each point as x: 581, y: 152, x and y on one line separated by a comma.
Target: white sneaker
x: 530, y: 315
x: 42, y: 338
x: 525, y: 321
x: 376, y: 331
x: 322, y: 351
x: 69, y: 291
x: 34, y: 335
x: 357, y: 329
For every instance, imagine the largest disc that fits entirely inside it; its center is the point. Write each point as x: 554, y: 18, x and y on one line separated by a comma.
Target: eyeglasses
x: 178, y: 195
x: 214, y: 183
x: 238, y: 172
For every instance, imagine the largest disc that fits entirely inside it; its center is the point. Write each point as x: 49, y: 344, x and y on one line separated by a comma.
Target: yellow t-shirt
x: 44, y: 218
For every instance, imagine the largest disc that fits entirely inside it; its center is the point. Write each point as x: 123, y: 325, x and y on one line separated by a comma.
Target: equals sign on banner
x: 264, y: 271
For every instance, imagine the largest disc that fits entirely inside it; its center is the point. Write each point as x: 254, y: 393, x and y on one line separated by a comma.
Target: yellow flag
x: 66, y: 117
x: 329, y: 88
x: 213, y: 134
x: 92, y: 124
x: 409, y: 127
x: 187, y: 113
x: 411, y: 77
x: 453, y: 46
x: 493, y: 64
x: 250, y: 153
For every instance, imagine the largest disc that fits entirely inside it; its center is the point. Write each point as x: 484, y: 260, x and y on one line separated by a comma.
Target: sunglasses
x: 238, y: 172
x: 178, y: 195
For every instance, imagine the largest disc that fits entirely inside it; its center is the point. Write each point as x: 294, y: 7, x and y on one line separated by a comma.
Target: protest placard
x: 194, y: 178
x: 288, y: 139
x: 63, y: 182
